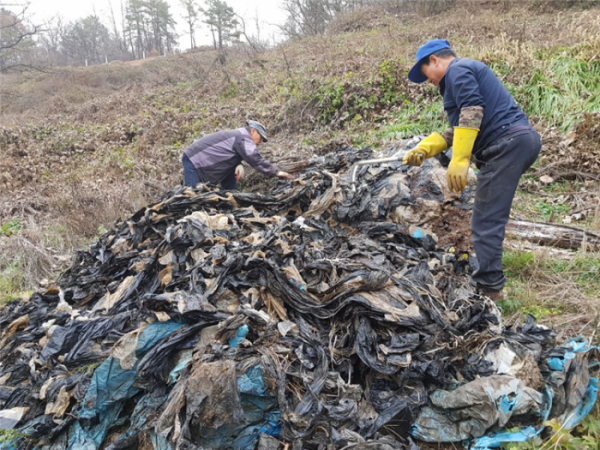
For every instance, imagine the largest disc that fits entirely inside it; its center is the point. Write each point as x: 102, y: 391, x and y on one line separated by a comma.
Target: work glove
x: 282, y: 174
x: 462, y: 147
x: 239, y: 172
x: 432, y: 145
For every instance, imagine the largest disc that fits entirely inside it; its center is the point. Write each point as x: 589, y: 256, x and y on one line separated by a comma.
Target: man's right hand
x: 239, y: 172
x: 432, y: 145
x: 414, y: 157
x: 282, y: 174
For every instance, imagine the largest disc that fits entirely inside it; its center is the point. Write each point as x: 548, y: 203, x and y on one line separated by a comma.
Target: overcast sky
x: 269, y: 12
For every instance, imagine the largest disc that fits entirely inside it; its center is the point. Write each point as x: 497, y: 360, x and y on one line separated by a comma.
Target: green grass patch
x: 13, y: 226
x: 526, y: 271
x: 518, y: 264
x: 583, y: 270
x: 10, y: 437
x: 411, y: 120
x: 585, y: 436
x: 522, y: 265
x: 550, y: 212
x: 560, y: 88
x: 11, y: 282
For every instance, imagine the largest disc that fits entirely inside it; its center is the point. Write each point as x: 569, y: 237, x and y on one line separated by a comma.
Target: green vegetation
x: 11, y: 227
x: 10, y: 436
x: 586, y: 436
x: 123, y: 158
x: 563, y: 90
x: 563, y: 84
x: 548, y: 212
x: 88, y: 369
x: 11, y: 281
x: 523, y: 265
x: 532, y: 289
x: 348, y: 99
x: 556, y: 201
x: 412, y: 120
x: 519, y: 264
x: 11, y: 270
x: 584, y: 270
x: 528, y: 273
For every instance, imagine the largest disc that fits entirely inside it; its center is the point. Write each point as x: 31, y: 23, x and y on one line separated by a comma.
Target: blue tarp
x: 569, y: 419
x: 111, y: 386
x: 260, y: 410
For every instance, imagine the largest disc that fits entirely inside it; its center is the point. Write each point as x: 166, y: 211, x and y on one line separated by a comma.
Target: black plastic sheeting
x: 304, y: 316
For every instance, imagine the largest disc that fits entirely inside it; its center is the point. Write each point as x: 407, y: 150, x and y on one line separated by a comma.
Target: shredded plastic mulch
x: 309, y: 317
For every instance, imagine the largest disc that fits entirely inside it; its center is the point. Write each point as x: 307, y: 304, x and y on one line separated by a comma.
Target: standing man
x: 488, y: 125
x: 217, y: 157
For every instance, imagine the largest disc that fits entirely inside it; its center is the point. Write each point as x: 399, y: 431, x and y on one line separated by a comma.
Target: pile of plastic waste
x: 310, y: 317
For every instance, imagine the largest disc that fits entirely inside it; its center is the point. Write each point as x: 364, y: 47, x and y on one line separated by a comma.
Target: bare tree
x: 425, y: 8
x: 192, y: 12
x: 17, y: 47
x: 311, y: 17
x: 84, y: 41
x: 49, y: 40
x: 254, y: 42
x: 118, y: 36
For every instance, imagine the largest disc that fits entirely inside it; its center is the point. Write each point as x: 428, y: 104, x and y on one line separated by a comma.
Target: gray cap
x: 258, y: 127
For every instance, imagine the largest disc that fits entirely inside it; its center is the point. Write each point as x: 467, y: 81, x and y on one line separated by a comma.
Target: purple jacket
x: 216, y: 155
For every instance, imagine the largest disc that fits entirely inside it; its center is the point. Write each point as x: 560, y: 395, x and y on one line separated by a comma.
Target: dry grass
x: 560, y: 288
x: 33, y: 255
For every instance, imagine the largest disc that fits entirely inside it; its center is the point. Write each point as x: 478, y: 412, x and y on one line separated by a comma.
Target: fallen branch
x: 561, y: 236
x: 564, y: 175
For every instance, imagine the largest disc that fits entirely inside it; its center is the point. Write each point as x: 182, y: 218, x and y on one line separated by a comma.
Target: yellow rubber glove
x: 432, y: 145
x: 462, y: 147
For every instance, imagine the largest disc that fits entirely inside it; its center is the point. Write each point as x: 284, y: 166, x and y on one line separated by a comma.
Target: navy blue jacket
x: 216, y: 155
x: 468, y: 82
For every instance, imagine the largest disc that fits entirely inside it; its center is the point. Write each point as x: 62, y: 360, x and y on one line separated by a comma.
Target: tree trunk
x: 212, y: 30
x: 561, y: 236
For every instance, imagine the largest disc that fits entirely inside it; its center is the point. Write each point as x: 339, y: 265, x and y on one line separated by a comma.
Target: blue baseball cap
x: 424, y: 51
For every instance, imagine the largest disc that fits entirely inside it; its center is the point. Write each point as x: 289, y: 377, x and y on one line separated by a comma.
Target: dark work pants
x: 501, y: 166
x: 191, y: 177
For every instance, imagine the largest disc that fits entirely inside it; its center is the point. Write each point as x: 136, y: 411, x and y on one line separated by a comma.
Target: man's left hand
x: 239, y: 172
x: 457, y: 174
x: 462, y: 146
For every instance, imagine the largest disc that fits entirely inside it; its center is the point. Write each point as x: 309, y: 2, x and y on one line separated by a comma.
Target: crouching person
x: 217, y: 157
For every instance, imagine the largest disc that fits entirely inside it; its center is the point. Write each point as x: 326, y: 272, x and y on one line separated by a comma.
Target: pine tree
x: 222, y: 21
x: 150, y: 25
